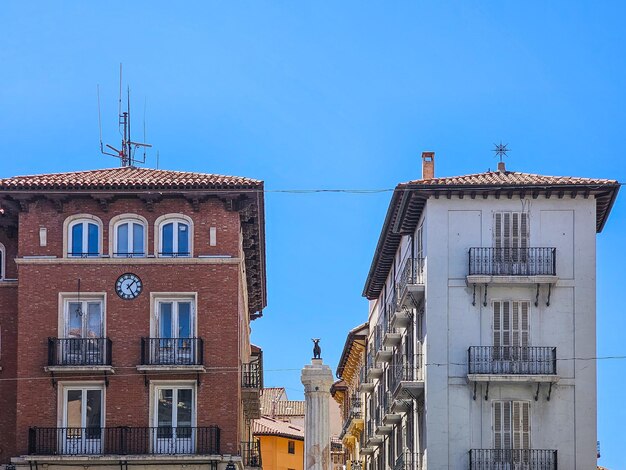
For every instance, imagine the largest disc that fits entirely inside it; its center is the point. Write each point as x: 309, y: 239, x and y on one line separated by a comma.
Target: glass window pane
x: 183, y: 239
x: 167, y: 239
x: 93, y: 240
x: 184, y: 319
x: 94, y: 320
x: 122, y: 239
x: 77, y: 239
x: 75, y: 320
x: 164, y: 407
x: 94, y: 408
x: 73, y: 409
x: 184, y: 410
x: 165, y: 320
x: 138, y: 239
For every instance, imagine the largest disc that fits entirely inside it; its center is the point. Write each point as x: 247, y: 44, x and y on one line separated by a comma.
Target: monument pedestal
x: 317, y: 379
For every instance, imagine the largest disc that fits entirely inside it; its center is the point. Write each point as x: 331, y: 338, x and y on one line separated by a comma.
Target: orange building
x: 282, y: 444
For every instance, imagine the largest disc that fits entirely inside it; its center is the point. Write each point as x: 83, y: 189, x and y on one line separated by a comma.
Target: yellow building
x: 282, y: 444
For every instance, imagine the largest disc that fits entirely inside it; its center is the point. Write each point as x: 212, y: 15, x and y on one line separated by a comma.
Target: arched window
x: 2, y: 262
x: 175, y: 236
x: 129, y: 236
x: 84, y: 236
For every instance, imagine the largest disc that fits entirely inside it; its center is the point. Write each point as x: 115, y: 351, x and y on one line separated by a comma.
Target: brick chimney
x: 428, y: 165
x: 501, y: 167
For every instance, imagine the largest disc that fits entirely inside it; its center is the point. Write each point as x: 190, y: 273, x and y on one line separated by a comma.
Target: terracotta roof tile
x: 508, y: 178
x: 289, y: 408
x: 270, y: 394
x: 266, y: 426
x: 127, y: 178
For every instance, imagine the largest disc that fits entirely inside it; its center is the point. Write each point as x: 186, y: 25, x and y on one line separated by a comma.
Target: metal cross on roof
x: 501, y: 150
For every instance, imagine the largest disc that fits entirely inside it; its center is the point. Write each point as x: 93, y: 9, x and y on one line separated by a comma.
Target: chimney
x: 428, y: 165
x: 501, y: 167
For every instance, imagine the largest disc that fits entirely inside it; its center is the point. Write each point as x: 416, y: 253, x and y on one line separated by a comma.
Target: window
x: 129, y: 235
x: 511, y: 323
x: 175, y: 237
x: 82, y: 338
x: 173, y: 332
x: 84, y: 236
x: 511, y: 424
x: 291, y: 447
x: 174, y: 419
x: 82, y: 419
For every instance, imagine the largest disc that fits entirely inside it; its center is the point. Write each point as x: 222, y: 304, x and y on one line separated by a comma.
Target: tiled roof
x: 409, y: 199
x: 270, y: 394
x: 127, y: 178
x: 289, y: 408
x: 508, y: 178
x: 266, y: 426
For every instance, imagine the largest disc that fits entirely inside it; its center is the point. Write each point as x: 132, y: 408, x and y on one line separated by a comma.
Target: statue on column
x: 317, y: 351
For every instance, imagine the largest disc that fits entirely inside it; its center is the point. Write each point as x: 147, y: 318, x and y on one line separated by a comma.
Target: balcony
x: 512, y: 459
x: 407, y: 381
x: 124, y: 440
x: 383, y: 353
x: 512, y: 364
x: 251, y: 454
x: 374, y: 367
x: 372, y: 440
x: 353, y: 424
x: 391, y: 337
x: 411, y: 283
x: 391, y: 416
x: 251, y: 385
x: 79, y: 355
x: 381, y: 428
x: 366, y: 383
x: 172, y: 354
x: 408, y: 460
x: 512, y: 266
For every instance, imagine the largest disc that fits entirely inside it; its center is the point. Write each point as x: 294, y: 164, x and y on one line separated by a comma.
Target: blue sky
x: 319, y: 95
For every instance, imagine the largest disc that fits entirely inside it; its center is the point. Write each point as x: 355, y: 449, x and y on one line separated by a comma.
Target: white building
x: 482, y: 292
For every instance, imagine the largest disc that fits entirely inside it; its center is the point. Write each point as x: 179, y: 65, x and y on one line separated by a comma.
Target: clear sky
x: 319, y: 95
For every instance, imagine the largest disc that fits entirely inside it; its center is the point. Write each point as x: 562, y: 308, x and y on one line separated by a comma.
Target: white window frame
x: 161, y: 297
x: 515, y: 240
x: 66, y: 297
x: 158, y: 238
x: 127, y: 219
x: 64, y: 387
x: 521, y: 404
x: 3, y: 262
x: 73, y: 220
x: 520, y: 321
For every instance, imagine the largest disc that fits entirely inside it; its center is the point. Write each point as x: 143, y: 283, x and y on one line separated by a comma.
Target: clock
x: 128, y: 286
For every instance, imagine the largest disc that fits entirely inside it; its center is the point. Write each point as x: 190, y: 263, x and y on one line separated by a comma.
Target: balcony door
x: 511, y: 335
x: 174, y: 420
x: 510, y: 239
x: 84, y: 328
x: 511, y: 434
x: 175, y: 330
x: 82, y: 421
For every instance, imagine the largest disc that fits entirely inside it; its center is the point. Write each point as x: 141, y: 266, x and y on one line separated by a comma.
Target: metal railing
x: 129, y: 254
x: 79, y: 351
x: 174, y: 254
x: 512, y: 360
x: 512, y: 459
x: 407, y: 368
x: 251, y: 454
x: 512, y: 261
x: 408, y: 460
x: 411, y: 273
x: 172, y: 351
x: 124, y: 440
x: 378, y: 336
x: 251, y: 375
x: 83, y: 254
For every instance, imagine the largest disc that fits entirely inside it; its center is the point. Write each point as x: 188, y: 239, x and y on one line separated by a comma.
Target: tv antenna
x: 128, y: 149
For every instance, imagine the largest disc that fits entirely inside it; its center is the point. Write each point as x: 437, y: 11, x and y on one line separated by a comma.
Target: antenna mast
x: 127, y: 150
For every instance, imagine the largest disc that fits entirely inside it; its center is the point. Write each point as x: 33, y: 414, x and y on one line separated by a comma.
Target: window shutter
x: 497, y: 324
x: 515, y: 332
x: 521, y: 425
x: 523, y: 230
x: 515, y: 232
x: 506, y: 324
x: 497, y: 233
x: 497, y: 424
x: 525, y: 425
x: 525, y: 327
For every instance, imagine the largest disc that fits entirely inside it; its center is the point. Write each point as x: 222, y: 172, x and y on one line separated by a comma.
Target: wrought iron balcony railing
x: 408, y: 460
x: 79, y: 351
x: 124, y: 440
x: 527, y: 459
x: 407, y: 368
x: 412, y: 273
x: 251, y: 454
x: 251, y: 375
x: 172, y: 351
x: 512, y: 360
x: 512, y: 261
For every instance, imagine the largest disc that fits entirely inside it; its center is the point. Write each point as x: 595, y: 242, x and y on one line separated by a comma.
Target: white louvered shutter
x: 521, y: 424
x: 502, y: 424
x: 511, y: 325
x: 510, y: 230
x: 497, y: 324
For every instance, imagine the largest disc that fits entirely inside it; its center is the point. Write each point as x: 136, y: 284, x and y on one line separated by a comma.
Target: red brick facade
x: 30, y: 311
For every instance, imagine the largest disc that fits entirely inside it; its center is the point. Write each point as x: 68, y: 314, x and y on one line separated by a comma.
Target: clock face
x: 128, y: 286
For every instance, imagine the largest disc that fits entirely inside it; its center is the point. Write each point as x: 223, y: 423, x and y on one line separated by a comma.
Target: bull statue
x: 317, y: 351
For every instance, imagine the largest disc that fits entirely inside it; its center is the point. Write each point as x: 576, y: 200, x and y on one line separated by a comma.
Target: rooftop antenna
x: 501, y: 152
x: 128, y: 148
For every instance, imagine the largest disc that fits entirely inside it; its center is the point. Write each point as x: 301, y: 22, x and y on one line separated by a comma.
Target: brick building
x: 125, y: 307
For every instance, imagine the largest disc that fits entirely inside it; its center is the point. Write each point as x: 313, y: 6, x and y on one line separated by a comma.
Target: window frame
x: 156, y: 385
x: 64, y: 300
x: 291, y: 447
x: 3, y: 262
x: 161, y: 297
x: 120, y: 220
x: 68, y: 240
x: 65, y: 386
x: 158, y: 238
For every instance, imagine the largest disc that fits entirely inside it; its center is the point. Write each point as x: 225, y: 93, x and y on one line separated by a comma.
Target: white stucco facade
x: 448, y: 418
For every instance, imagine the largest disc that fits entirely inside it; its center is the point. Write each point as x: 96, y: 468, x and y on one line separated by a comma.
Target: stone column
x: 317, y: 379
